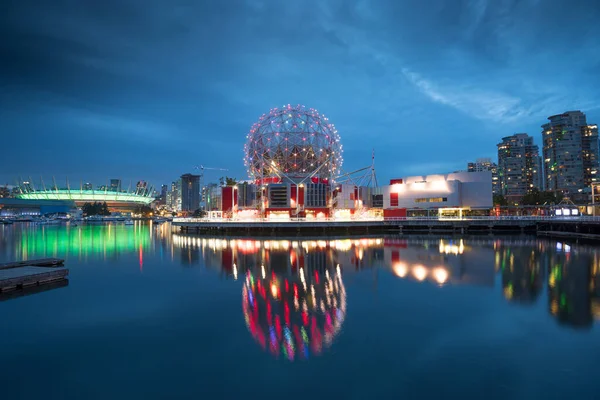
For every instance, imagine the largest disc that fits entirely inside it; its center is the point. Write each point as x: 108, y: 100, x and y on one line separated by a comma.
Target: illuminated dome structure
x: 297, y: 319
x: 293, y: 144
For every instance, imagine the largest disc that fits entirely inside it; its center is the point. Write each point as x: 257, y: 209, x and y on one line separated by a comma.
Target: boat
x: 94, y: 219
x: 25, y: 218
x: 112, y: 218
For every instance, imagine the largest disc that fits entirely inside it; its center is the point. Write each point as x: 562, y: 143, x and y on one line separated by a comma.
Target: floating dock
x: 30, y: 290
x: 42, y: 262
x: 31, y: 273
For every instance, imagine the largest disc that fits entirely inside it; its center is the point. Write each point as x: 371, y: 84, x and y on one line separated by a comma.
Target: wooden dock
x: 42, y: 262
x: 25, y: 274
x: 30, y: 290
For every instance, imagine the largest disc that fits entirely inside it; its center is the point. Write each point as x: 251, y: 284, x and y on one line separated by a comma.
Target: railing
x: 392, y: 219
x: 500, y: 218
x: 252, y: 220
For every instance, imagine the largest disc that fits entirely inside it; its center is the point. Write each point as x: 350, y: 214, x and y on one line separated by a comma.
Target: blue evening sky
x: 135, y: 90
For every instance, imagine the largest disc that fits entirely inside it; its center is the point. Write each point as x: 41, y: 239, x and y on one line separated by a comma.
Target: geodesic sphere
x: 293, y: 142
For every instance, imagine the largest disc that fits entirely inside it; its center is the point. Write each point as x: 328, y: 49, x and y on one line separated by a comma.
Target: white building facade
x: 459, y: 190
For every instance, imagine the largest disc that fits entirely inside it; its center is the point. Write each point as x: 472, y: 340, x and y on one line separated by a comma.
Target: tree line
x: 96, y: 208
x: 534, y: 197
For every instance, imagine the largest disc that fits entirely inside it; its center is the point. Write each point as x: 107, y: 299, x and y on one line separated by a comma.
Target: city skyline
x: 132, y: 91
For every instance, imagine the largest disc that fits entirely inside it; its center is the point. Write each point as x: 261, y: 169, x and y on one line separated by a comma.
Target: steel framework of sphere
x: 294, y: 144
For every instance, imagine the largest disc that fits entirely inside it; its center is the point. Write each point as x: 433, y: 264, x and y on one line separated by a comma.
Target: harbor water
x: 151, y: 313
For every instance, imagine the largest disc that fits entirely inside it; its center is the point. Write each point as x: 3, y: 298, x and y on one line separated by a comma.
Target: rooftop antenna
x: 31, y: 183
x: 373, y: 174
x: 44, y: 187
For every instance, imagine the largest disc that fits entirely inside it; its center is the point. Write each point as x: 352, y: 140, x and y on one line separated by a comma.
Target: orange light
x: 440, y: 275
x: 420, y: 272
x: 400, y: 269
x: 274, y: 290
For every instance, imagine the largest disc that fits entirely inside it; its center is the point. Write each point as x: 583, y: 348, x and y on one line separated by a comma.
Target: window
x: 431, y: 200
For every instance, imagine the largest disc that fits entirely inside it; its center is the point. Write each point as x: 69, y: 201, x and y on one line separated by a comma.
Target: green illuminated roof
x: 90, y: 196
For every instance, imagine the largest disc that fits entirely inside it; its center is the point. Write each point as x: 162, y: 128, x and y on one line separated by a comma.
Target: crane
x: 201, y: 168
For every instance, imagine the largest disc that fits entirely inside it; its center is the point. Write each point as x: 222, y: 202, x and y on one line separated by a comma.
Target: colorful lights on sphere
x: 292, y: 143
x: 294, y: 319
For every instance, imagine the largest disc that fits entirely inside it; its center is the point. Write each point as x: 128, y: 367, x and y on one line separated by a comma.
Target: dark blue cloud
x: 148, y: 89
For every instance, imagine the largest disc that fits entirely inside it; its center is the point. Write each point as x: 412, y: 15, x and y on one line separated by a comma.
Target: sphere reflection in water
x: 297, y: 317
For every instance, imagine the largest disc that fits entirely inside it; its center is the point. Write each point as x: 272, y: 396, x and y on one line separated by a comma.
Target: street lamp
x: 593, y: 185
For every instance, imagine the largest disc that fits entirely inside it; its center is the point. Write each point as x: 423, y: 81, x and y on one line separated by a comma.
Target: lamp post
x: 301, y: 185
x: 593, y: 185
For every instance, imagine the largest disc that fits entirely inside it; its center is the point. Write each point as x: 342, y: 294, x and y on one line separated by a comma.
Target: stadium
x: 117, y: 200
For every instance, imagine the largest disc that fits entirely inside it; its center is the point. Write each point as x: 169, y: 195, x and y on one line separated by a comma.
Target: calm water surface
x: 151, y: 314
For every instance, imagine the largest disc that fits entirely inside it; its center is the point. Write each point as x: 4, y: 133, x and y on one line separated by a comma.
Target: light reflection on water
x: 418, y: 304
x: 526, y: 266
x: 26, y: 241
x: 572, y: 272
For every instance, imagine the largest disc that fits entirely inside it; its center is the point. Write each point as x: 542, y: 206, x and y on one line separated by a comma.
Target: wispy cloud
x: 478, y: 103
x: 124, y: 127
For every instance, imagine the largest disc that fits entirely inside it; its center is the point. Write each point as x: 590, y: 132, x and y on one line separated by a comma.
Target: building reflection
x: 573, y: 293
x: 107, y: 241
x: 294, y: 315
x: 521, y: 271
x: 440, y: 261
x: 293, y: 295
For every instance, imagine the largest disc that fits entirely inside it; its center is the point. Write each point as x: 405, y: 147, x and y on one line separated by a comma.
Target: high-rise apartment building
x: 486, y: 164
x: 518, y: 165
x: 190, y: 192
x: 570, y: 152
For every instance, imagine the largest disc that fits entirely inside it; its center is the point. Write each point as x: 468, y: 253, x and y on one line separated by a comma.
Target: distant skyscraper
x: 212, y: 197
x: 486, y: 164
x: 570, y: 152
x: 518, y: 165
x: 4, y: 192
x: 115, y: 185
x: 87, y: 186
x: 174, y: 196
x: 163, y: 194
x: 190, y: 192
